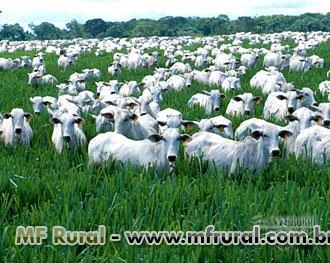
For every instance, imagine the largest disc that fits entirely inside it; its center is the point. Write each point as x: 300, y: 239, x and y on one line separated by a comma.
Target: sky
x: 60, y: 12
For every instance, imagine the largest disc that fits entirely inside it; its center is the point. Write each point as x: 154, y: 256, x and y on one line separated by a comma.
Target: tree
x: 96, y: 26
x: 76, y: 30
x: 46, y: 31
x: 12, y: 32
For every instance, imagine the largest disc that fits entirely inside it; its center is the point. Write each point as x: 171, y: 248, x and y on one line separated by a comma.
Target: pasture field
x: 40, y: 187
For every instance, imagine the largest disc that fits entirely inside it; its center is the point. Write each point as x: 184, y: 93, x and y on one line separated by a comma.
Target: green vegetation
x: 40, y: 187
x: 170, y: 26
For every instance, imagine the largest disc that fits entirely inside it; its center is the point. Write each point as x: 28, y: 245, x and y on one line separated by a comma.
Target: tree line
x: 169, y: 26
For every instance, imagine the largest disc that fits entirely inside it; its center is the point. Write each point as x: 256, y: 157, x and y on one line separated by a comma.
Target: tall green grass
x: 40, y: 187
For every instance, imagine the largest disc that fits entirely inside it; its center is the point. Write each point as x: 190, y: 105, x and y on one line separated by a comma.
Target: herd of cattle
x: 129, y: 121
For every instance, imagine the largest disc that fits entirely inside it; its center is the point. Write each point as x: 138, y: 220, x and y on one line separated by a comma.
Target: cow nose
x: 290, y: 110
x: 66, y: 138
x: 326, y: 122
x: 18, y: 130
x: 188, y: 86
x: 37, y: 112
x: 216, y: 108
x: 98, y: 93
x: 276, y: 152
x: 171, y: 158
x: 247, y: 112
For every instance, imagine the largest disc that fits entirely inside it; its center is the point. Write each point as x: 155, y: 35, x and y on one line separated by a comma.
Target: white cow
x: 159, y: 150
x: 276, y: 59
x: 231, y: 83
x: 324, y: 87
x: 130, y: 88
x: 249, y: 60
x: 15, y: 128
x: 179, y: 82
x: 67, y: 132
x: 65, y: 61
x: 242, y: 104
x: 279, y: 104
x: 209, y: 100
x: 314, y: 143
x: 252, y: 153
x: 299, y: 63
x: 114, y: 69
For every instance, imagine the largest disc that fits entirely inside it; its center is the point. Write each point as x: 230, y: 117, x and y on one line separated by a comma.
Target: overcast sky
x: 60, y: 12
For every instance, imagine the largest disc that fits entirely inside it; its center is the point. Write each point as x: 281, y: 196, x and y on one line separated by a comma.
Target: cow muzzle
x: 290, y: 110
x: 171, y: 158
x: 18, y: 130
x: 216, y: 108
x: 275, y: 152
x: 67, y: 138
x: 326, y: 122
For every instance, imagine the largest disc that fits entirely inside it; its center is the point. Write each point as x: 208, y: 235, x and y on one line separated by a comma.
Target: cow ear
x: 79, y: 121
x: 131, y: 105
x: 7, y: 115
x: 221, y: 127
x: 285, y: 134
x: 162, y: 123
x: 108, y: 115
x: 300, y: 97
x: 291, y: 118
x: 134, y: 117
x: 257, y: 99
x: 206, y: 92
x: 189, y: 124
x: 28, y: 116
x: 31, y: 100
x: 185, y: 138
x: 256, y: 134
x: 281, y: 97
x: 237, y: 98
x: 55, y: 120
x: 155, y: 137
x: 318, y: 119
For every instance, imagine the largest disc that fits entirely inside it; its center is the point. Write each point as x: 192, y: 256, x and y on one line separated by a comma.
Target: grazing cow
x: 159, y: 150
x: 209, y: 100
x: 242, y: 104
x: 314, y: 143
x: 114, y: 69
x: 252, y: 153
x: 279, y: 104
x: 15, y: 128
x: 67, y: 132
